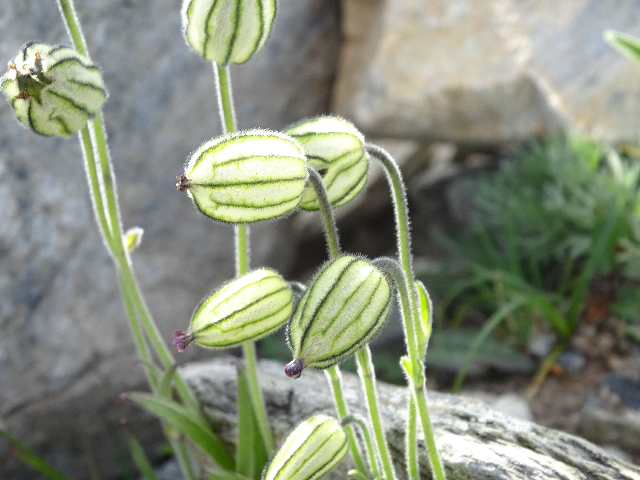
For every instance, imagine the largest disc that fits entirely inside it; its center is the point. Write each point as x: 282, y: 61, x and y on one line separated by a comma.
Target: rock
x: 487, y: 72
x: 619, y: 428
x: 66, y: 350
x: 625, y: 389
x: 474, y: 441
x: 571, y: 361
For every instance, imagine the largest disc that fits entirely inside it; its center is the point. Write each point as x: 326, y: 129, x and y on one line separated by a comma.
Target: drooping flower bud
x: 310, y: 451
x: 334, y: 148
x: 246, y: 176
x: 53, y: 89
x: 344, y: 306
x: 227, y: 31
x: 246, y: 308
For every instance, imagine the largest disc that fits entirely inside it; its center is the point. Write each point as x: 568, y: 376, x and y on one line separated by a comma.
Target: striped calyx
x: 53, y: 89
x: 310, y: 451
x: 227, y: 31
x: 246, y: 176
x: 344, y: 306
x: 246, y: 308
x: 334, y: 148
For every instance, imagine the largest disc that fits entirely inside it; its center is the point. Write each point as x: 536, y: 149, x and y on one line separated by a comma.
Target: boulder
x: 66, y: 350
x: 474, y: 441
x: 487, y: 72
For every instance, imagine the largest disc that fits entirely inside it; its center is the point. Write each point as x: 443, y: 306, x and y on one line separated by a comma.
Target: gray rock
x: 619, y: 428
x: 66, y: 350
x: 487, y: 72
x: 475, y: 442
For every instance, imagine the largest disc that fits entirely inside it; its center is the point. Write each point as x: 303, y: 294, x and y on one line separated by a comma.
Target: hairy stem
x: 227, y: 117
x: 367, y: 375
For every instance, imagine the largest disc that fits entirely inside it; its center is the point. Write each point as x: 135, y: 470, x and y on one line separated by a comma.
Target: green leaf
x: 624, y: 43
x: 251, y: 455
x: 31, y: 458
x: 222, y: 475
x: 194, y: 426
x: 138, y: 455
x: 425, y: 317
x: 165, y: 383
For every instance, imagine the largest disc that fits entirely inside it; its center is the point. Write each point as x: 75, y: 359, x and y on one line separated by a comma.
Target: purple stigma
x: 182, y: 340
x: 294, y: 368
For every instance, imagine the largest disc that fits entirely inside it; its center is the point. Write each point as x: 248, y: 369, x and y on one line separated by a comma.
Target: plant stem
x: 333, y: 373
x: 368, y: 441
x: 227, y: 117
x: 413, y: 467
x: 367, y: 375
x: 544, y: 369
x: 102, y: 188
x: 416, y: 377
x: 334, y: 377
x: 330, y: 229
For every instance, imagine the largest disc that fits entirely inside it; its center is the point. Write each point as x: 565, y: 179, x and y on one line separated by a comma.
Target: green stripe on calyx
x: 53, y: 89
x: 246, y: 176
x: 246, y: 308
x: 344, y: 306
x: 312, y: 449
x: 334, y: 147
x: 227, y: 31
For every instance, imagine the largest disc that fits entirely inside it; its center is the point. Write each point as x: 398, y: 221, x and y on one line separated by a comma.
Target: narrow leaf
x: 31, y: 458
x: 194, y: 426
x: 624, y: 43
x: 251, y: 456
x: 138, y: 455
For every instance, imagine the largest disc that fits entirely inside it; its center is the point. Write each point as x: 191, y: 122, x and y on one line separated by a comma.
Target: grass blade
x: 251, y: 456
x: 31, y: 458
x: 194, y: 426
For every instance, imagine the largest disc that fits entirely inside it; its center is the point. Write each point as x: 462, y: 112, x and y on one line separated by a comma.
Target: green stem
x: 416, y: 378
x: 437, y: 468
x: 367, y: 375
x: 334, y: 377
x: 72, y: 25
x: 413, y: 467
x: 330, y: 229
x: 333, y: 244
x: 368, y: 441
x: 103, y: 192
x: 242, y: 248
x: 225, y: 97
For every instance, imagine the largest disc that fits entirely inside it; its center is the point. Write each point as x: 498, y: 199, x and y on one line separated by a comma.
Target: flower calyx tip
x: 294, y: 368
x: 182, y: 340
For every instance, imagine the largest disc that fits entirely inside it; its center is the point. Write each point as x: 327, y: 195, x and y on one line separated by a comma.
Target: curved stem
x: 333, y: 244
x: 368, y: 441
x: 416, y: 375
x: 334, y: 377
x: 367, y: 375
x: 72, y: 25
x: 330, y: 229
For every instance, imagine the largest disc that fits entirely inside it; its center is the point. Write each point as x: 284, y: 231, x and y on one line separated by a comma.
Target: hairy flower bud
x: 246, y: 176
x: 310, y: 451
x: 246, y: 308
x: 53, y: 89
x: 334, y: 148
x: 227, y: 31
x: 345, y: 305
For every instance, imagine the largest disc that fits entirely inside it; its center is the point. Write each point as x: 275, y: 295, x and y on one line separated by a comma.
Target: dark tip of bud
x: 22, y: 95
x: 182, y: 340
x: 183, y: 183
x: 294, y: 368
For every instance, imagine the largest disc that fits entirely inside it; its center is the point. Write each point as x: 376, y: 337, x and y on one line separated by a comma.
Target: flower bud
x: 246, y: 176
x: 333, y: 147
x: 53, y: 89
x: 345, y: 305
x: 246, y: 308
x: 227, y: 31
x: 310, y: 451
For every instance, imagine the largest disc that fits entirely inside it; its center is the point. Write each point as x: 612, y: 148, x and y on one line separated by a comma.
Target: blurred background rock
x: 442, y: 84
